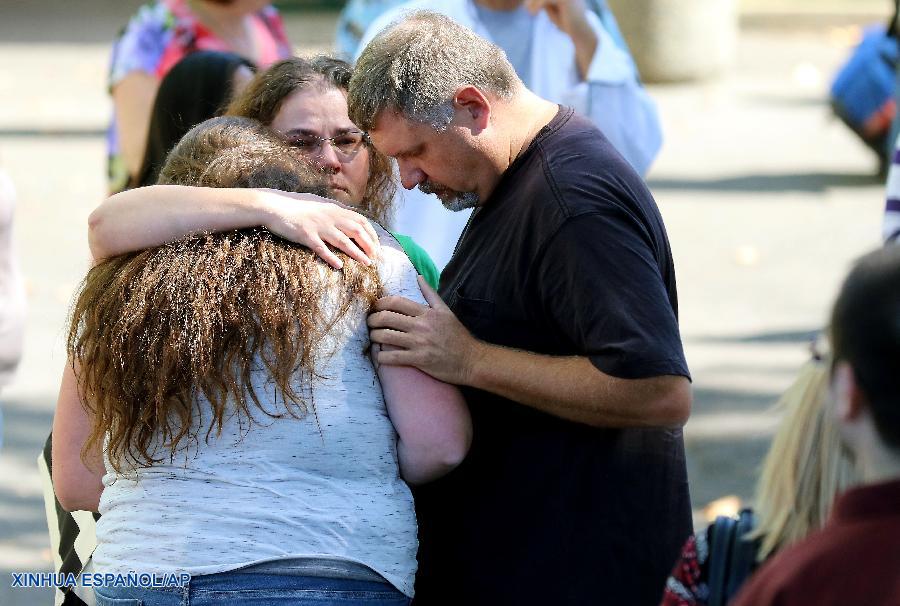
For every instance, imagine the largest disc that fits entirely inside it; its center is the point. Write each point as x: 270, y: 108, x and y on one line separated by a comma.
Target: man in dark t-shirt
x: 558, y: 317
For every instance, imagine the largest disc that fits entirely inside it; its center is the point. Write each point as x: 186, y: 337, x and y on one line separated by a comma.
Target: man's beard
x: 452, y: 200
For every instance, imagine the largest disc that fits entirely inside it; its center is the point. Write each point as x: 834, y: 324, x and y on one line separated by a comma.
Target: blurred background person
x: 855, y: 558
x: 158, y: 37
x: 803, y: 472
x: 199, y: 87
x: 12, y: 290
x: 563, y: 52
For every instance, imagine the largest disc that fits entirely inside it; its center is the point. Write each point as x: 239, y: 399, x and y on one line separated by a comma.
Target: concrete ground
x: 766, y: 197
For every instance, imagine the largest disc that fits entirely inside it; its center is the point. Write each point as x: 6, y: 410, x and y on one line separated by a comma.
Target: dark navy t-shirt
x: 568, y: 256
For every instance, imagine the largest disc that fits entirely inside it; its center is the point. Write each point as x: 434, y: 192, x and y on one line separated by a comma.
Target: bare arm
x: 570, y: 16
x: 433, y: 340
x: 431, y: 419
x: 78, y: 483
x: 150, y: 216
x: 133, y: 98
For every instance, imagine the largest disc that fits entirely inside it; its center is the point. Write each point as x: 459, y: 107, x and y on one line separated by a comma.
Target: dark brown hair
x: 263, y: 97
x: 156, y: 331
x: 865, y: 333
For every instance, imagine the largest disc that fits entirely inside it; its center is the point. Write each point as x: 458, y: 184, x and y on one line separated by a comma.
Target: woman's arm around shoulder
x: 151, y: 216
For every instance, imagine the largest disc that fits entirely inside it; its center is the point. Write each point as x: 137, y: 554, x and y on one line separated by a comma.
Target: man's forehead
x: 394, y: 132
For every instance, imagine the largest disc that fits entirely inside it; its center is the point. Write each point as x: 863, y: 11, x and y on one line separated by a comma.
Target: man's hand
x: 429, y: 338
x: 570, y: 16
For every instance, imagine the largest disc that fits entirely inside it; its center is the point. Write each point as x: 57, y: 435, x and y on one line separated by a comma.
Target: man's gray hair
x: 417, y: 64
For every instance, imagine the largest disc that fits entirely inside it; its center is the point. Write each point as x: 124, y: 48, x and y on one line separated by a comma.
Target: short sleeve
x: 141, y: 45
x: 600, y: 284
x: 396, y: 271
x: 418, y: 256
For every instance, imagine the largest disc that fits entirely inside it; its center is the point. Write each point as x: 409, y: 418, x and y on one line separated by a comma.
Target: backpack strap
x: 721, y: 535
x: 742, y: 562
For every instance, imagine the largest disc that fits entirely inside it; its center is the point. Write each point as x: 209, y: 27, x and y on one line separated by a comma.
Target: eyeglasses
x: 346, y: 145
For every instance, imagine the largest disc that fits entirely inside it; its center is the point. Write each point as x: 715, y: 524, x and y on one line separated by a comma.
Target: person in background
x: 306, y: 101
x: 246, y: 440
x: 12, y: 291
x: 563, y: 52
x: 161, y: 34
x: 803, y: 472
x: 199, y: 87
x: 854, y: 558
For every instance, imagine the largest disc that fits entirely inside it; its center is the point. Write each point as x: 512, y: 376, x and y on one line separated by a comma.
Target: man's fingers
x: 434, y: 299
x: 322, y: 250
x: 340, y: 240
x: 400, y: 305
x: 398, y: 357
x: 386, y: 336
x: 392, y: 320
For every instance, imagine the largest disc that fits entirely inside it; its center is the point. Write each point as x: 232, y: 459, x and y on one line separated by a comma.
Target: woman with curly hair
x: 222, y: 413
x: 306, y: 101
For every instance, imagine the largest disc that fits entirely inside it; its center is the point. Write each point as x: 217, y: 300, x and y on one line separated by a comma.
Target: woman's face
x: 317, y: 112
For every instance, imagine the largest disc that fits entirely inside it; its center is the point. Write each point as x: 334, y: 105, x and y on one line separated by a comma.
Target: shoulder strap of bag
x: 723, y: 532
x: 743, y: 553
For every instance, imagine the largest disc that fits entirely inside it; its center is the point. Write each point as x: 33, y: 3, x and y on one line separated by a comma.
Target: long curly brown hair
x: 262, y: 99
x: 156, y: 332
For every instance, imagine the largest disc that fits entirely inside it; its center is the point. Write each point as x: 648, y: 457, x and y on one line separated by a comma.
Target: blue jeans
x: 257, y: 590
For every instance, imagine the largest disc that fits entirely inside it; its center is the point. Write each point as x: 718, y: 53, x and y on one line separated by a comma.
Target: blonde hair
x: 805, y: 468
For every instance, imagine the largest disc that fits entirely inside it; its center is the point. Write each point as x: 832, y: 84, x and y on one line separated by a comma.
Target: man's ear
x: 474, y: 106
x: 850, y: 400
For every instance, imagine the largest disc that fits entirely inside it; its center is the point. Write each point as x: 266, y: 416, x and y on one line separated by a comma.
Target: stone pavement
x: 767, y: 200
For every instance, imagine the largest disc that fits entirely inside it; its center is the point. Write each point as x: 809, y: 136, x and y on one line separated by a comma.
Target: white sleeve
x: 613, y: 97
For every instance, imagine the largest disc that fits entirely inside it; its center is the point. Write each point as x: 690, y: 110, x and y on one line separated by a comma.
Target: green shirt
x: 420, y: 259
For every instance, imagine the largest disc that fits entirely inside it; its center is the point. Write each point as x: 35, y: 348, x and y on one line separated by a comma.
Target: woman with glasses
x: 306, y: 101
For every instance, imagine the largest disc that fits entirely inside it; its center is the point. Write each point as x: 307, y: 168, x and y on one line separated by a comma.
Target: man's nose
x: 410, y: 176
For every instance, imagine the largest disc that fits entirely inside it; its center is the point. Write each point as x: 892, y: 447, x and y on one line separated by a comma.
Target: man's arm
x: 151, y: 216
x: 434, y: 341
